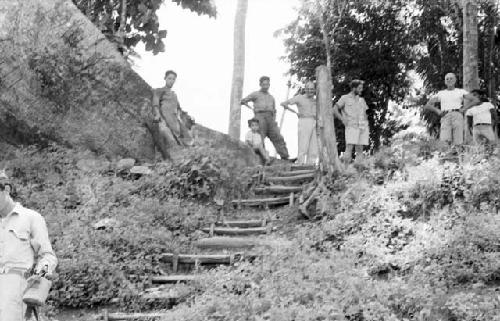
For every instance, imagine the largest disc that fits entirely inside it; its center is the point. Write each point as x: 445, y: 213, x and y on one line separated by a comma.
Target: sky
x: 200, y: 50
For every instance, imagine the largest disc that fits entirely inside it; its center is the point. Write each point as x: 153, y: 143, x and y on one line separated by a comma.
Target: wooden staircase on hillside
x: 231, y: 239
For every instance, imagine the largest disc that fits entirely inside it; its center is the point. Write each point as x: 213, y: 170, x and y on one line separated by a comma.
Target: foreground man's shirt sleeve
x: 41, y: 243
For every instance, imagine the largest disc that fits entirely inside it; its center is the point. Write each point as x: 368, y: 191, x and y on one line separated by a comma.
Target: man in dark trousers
x: 264, y: 107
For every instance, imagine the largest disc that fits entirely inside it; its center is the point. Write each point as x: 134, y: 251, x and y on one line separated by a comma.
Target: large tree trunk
x: 123, y: 18
x: 493, y: 14
x: 470, y: 47
x: 238, y: 69
x: 470, y: 56
x: 329, y: 156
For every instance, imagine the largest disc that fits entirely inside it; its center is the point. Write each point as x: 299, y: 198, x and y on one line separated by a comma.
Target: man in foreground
x: 351, y: 110
x: 452, y: 120
x: 24, y: 247
x: 264, y: 107
x: 307, y: 139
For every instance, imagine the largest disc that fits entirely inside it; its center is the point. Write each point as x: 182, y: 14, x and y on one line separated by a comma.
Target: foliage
x: 142, y: 23
x: 369, y: 260
x: 201, y: 174
x: 97, y: 266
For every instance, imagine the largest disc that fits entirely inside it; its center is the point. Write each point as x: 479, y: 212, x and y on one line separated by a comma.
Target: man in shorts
x: 452, y: 120
x: 351, y: 110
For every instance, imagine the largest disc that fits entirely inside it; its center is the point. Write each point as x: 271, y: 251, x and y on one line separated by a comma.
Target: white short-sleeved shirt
x: 255, y: 139
x: 481, y: 113
x: 451, y: 99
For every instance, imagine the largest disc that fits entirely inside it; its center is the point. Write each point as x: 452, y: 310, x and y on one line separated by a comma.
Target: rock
x: 106, y: 223
x: 125, y: 164
x: 93, y: 165
x: 142, y: 170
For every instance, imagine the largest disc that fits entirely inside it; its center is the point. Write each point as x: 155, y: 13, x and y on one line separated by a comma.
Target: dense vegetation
x: 420, y: 244
x: 402, y: 239
x: 148, y: 216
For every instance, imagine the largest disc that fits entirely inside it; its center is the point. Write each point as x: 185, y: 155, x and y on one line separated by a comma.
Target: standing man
x: 24, y: 247
x: 264, y: 107
x: 167, y: 110
x: 308, y: 141
x: 351, y: 110
x: 481, y: 115
x: 452, y: 120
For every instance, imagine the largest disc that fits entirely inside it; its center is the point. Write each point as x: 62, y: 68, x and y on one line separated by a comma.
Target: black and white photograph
x: 249, y: 160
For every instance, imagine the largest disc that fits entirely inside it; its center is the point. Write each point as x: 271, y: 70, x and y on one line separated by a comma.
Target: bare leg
x: 348, y: 153
x: 359, y: 153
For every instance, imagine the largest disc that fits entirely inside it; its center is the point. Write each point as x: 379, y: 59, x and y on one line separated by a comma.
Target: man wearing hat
x: 24, y: 248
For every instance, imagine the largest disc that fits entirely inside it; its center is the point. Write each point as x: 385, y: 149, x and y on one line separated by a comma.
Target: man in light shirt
x: 351, y: 110
x: 483, y: 115
x: 452, y: 120
x: 24, y: 247
x: 264, y: 107
x: 307, y: 139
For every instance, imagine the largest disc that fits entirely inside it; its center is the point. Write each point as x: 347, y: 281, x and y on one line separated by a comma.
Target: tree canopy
x: 142, y: 24
x: 370, y: 43
x: 381, y: 41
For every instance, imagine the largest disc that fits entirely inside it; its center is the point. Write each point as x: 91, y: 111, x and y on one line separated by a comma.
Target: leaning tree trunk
x: 238, y: 69
x: 470, y: 55
x: 123, y: 20
x: 329, y: 156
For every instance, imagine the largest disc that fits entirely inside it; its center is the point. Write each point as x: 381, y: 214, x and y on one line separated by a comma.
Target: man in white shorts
x: 351, y: 110
x: 452, y: 120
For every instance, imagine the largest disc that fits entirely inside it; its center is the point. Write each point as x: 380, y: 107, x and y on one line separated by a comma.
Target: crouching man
x: 24, y: 248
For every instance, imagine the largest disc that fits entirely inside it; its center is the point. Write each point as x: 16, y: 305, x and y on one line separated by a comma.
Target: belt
x: 313, y: 117
x: 264, y: 111
x: 450, y: 111
x: 482, y: 124
x: 18, y: 271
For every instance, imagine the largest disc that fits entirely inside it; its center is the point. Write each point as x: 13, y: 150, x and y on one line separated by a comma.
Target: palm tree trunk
x: 238, y: 69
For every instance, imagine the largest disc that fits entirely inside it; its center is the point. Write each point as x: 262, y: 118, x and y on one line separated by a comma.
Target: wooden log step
x: 221, y: 243
x: 298, y: 178
x: 262, y: 201
x: 132, y: 316
x: 302, y: 167
x: 172, y: 279
x: 242, y: 223
x: 236, y: 230
x: 297, y: 172
x: 278, y: 189
x: 206, y: 258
